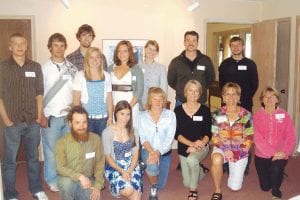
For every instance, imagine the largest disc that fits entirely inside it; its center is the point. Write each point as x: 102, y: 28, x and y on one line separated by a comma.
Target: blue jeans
x: 58, y: 128
x: 30, y: 134
x: 97, y: 125
x: 161, y: 170
x: 70, y: 190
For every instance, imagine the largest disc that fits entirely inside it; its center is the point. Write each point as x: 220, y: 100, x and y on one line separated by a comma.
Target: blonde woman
x: 155, y: 74
x: 275, y: 139
x: 156, y: 129
x: 92, y: 89
x: 193, y: 133
x: 232, y: 131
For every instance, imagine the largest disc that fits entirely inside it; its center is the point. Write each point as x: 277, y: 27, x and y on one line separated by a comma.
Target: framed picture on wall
x: 109, y: 45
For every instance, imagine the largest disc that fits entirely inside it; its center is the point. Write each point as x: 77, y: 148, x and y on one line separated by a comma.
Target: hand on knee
x: 127, y: 192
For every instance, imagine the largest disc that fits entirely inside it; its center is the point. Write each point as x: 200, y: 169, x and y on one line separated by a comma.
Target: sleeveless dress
x: 122, y: 95
x: 123, y: 158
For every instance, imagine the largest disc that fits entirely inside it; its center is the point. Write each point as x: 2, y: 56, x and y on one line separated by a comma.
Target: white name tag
x: 201, y: 67
x: 242, y: 67
x: 198, y: 118
x: 221, y: 119
x: 90, y: 155
x: 127, y: 154
x: 66, y: 77
x: 29, y: 74
x: 134, y: 78
x: 280, y: 116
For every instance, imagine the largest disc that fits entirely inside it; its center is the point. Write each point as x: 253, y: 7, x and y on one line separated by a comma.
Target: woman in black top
x: 193, y: 133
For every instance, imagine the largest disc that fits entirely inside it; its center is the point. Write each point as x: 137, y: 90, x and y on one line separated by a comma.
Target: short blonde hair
x: 192, y: 82
x: 231, y: 85
x: 269, y: 89
x: 155, y: 91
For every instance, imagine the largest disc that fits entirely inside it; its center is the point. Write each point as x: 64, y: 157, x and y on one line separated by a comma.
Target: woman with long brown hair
x: 127, y: 78
x: 121, y: 150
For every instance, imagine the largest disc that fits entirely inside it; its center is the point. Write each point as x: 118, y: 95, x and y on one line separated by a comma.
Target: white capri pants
x: 236, y: 171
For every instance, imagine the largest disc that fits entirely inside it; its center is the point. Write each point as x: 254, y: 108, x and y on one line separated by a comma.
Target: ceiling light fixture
x: 66, y: 3
x: 193, y: 6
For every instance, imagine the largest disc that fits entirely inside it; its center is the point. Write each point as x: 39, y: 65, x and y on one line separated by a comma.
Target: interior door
x: 8, y: 27
x: 264, y: 45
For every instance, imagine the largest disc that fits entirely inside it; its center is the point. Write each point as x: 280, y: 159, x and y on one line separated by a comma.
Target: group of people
x: 103, y: 121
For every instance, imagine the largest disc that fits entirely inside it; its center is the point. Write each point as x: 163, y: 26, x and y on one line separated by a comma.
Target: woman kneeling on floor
x: 232, y: 138
x: 193, y: 133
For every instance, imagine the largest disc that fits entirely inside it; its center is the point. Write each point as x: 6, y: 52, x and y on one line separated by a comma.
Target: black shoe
x: 246, y: 173
x: 178, y: 167
x: 226, y: 168
x: 153, y: 193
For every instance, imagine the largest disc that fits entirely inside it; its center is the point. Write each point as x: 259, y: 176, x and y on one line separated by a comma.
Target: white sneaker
x: 153, y: 193
x: 53, y: 187
x: 40, y: 196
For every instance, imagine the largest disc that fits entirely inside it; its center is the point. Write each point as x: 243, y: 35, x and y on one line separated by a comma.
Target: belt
x: 124, y: 88
x: 168, y: 153
x: 97, y: 116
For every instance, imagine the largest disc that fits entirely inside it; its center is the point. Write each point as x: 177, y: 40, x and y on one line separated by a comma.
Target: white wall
x: 162, y: 20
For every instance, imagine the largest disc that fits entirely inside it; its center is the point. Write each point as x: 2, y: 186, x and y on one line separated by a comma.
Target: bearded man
x: 79, y: 159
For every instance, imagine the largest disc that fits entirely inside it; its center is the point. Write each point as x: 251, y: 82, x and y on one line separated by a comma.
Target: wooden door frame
x: 296, y: 96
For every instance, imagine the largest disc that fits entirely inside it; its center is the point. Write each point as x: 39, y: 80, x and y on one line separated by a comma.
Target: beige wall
x: 165, y: 21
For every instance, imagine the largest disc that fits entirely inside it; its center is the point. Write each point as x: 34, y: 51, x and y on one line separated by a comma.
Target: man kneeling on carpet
x: 79, y: 159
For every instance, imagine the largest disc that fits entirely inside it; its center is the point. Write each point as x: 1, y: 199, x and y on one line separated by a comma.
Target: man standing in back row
x: 21, y: 104
x: 241, y: 70
x: 85, y: 35
x: 190, y: 64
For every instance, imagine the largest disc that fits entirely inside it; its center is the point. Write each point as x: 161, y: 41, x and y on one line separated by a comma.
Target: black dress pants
x: 270, y: 174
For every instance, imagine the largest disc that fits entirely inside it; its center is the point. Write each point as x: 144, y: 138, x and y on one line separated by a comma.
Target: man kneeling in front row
x: 79, y: 160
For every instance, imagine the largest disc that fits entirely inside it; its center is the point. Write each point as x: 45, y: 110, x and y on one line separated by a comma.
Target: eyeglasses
x: 270, y: 97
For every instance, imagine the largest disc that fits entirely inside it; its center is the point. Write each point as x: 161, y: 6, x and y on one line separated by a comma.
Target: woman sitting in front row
x: 193, y: 133
x: 232, y: 138
x: 156, y: 130
x: 275, y: 139
x: 121, y: 150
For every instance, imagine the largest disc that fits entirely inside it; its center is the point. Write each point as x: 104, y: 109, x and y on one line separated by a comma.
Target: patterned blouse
x: 237, y: 136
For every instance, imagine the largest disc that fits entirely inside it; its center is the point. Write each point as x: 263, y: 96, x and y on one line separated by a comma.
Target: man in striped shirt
x: 21, y: 100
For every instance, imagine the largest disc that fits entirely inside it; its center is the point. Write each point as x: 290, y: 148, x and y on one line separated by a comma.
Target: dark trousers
x: 270, y: 174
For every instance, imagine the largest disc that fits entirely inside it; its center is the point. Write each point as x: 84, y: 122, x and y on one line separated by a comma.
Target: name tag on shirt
x: 126, y: 155
x: 134, y: 78
x: 242, y: 67
x: 90, y: 155
x: 201, y: 67
x: 198, y: 118
x: 29, y: 74
x: 280, y: 116
x: 221, y: 119
x: 66, y: 77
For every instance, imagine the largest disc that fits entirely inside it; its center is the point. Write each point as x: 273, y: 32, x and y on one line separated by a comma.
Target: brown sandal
x: 216, y: 196
x: 193, y: 195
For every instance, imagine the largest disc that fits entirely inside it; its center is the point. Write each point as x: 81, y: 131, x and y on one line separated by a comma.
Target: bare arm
x: 76, y: 97
x: 109, y: 102
x: 39, y: 102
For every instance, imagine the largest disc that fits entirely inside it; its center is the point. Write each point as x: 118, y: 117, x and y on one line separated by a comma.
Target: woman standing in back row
x: 155, y: 74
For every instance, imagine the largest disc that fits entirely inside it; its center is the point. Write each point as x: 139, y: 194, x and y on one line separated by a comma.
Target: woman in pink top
x: 274, y: 138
